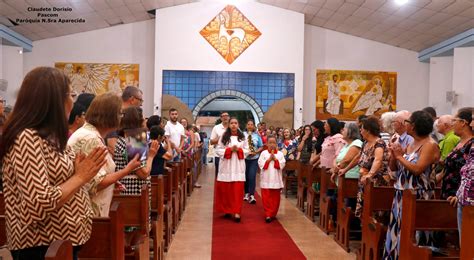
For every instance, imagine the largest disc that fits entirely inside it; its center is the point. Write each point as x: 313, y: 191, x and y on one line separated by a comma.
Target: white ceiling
x: 414, y: 26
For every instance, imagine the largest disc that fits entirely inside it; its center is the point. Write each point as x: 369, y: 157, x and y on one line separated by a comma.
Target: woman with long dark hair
x: 133, y: 120
x: 44, y: 181
x: 306, y: 144
x: 229, y: 188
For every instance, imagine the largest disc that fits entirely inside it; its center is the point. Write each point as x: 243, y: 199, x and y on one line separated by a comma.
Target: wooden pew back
x: 467, y: 250
x: 292, y: 166
x: 2, y: 204
x: 157, y: 194
x: 375, y: 199
x: 137, y: 209
x: 3, y: 230
x: 59, y: 250
x: 108, y: 238
x: 425, y: 215
x: 347, y: 189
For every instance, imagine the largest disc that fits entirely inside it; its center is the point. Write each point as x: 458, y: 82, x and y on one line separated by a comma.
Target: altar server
x: 271, y: 163
x: 229, y: 188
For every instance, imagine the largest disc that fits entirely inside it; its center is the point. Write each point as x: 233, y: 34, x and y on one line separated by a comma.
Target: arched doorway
x: 238, y: 104
x: 248, y: 102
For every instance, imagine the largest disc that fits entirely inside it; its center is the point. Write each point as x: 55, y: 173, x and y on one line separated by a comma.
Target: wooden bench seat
x: 302, y: 188
x: 312, y: 195
x: 59, y: 250
x: 425, y: 215
x: 373, y: 233
x: 168, y: 209
x: 288, y: 180
x: 467, y: 236
x: 108, y: 238
x: 347, y: 189
x: 326, y: 223
x: 157, y: 212
x: 137, y: 214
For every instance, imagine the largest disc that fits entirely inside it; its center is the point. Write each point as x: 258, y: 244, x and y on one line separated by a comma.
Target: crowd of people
x: 64, y: 155
x: 407, y: 150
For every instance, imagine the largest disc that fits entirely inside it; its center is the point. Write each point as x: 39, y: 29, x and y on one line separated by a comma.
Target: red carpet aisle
x: 252, y: 238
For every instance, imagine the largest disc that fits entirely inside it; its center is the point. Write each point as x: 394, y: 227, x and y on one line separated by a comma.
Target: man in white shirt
x: 175, y: 132
x: 217, y: 133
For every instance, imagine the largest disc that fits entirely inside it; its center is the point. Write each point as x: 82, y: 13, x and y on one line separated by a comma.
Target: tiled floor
x: 194, y: 236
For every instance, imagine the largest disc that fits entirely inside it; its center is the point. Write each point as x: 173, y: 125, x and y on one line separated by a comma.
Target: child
x: 271, y: 163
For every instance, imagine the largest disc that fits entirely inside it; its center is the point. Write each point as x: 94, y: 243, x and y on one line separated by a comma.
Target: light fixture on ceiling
x: 401, y: 2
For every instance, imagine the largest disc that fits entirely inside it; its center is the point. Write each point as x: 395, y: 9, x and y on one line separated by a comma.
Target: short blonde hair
x: 104, y: 111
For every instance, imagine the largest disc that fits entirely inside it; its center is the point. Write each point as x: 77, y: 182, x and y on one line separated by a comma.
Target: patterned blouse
x: 367, y: 158
x: 132, y: 182
x: 289, y: 148
x: 85, y: 140
x: 187, y: 143
x: 465, y: 192
x: 32, y: 173
x: 452, y: 165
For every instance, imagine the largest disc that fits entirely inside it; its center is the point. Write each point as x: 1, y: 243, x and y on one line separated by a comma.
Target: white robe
x: 232, y: 169
x: 271, y: 178
x: 333, y: 103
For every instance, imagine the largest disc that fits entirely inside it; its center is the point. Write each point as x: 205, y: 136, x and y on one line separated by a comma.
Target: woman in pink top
x: 332, y: 144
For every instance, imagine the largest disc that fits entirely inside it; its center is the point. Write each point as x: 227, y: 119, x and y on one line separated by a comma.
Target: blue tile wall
x: 191, y: 86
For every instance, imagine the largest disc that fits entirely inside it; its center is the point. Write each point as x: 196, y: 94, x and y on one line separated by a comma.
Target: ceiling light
x: 401, y: 2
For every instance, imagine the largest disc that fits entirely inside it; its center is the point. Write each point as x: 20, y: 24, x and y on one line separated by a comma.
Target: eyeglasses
x: 139, y: 99
x: 225, y: 115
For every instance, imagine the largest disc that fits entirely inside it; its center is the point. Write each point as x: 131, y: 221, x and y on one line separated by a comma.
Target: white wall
x: 441, y: 80
x: 179, y: 46
x: 326, y: 49
x: 463, y: 77
x: 12, y: 71
x: 129, y: 43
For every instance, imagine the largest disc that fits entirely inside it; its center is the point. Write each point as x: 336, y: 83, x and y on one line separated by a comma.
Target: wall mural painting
x: 230, y: 33
x: 346, y: 94
x: 98, y: 78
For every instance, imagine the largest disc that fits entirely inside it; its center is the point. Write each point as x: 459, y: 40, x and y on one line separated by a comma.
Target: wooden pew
x: 312, y: 195
x: 3, y: 230
x: 107, y: 239
x: 190, y: 176
x: 168, y: 209
x: 157, y: 210
x: 288, y: 180
x: 373, y: 233
x: 426, y: 215
x: 198, y: 159
x: 175, y: 195
x: 137, y: 214
x: 347, y: 189
x: 467, y: 238
x: 188, y: 179
x: 59, y: 250
x: 326, y: 224
x: 182, y: 166
x: 302, y: 188
x: 2, y: 204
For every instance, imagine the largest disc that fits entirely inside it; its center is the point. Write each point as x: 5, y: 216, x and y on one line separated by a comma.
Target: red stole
x: 276, y: 163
